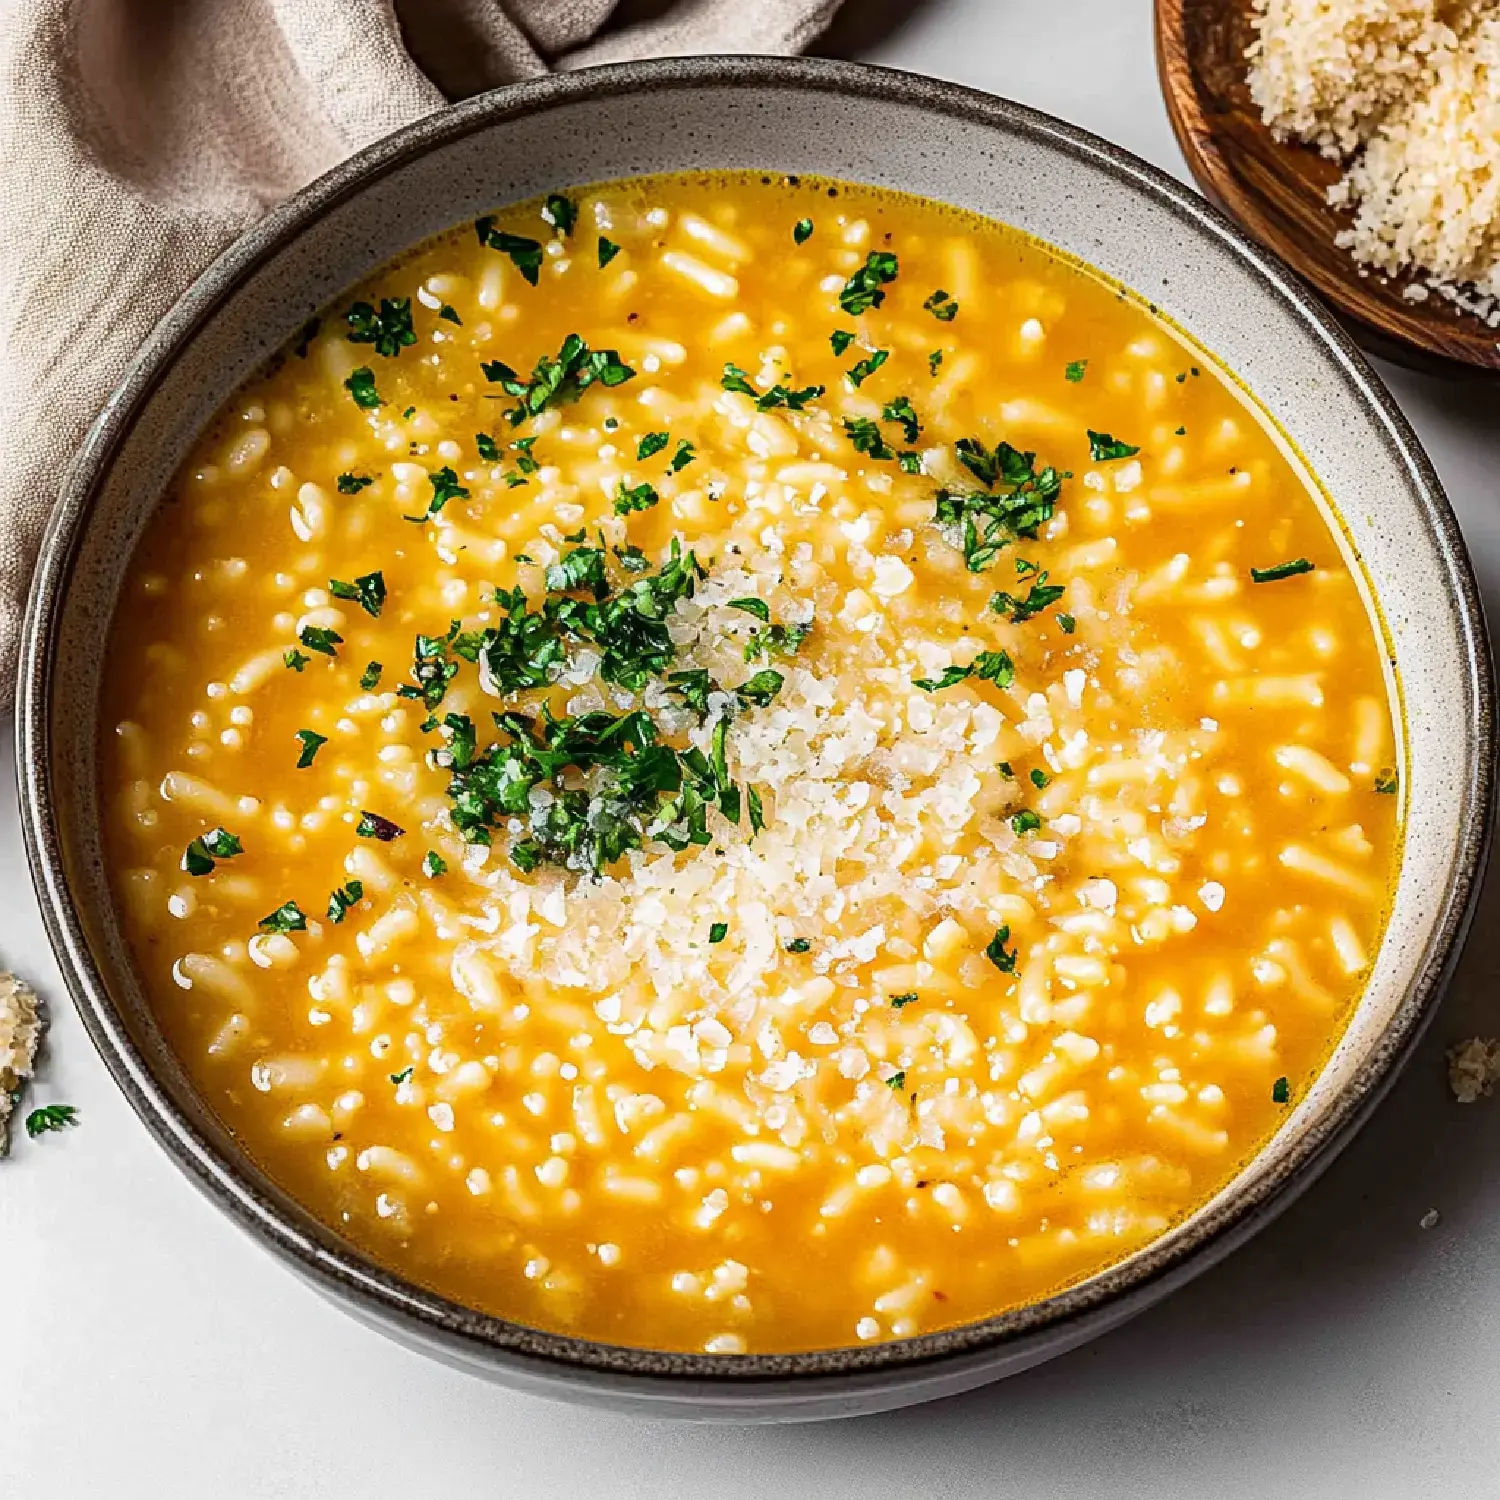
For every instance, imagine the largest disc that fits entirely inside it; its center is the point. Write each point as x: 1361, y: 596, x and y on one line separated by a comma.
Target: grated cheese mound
x: 1473, y: 1068
x: 20, y: 1032
x: 1428, y: 184
x: 1327, y: 71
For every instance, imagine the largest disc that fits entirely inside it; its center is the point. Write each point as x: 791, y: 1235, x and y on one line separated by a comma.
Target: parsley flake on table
x: 50, y: 1117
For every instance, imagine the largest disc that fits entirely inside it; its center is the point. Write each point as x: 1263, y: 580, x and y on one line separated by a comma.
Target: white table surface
x: 158, y: 1353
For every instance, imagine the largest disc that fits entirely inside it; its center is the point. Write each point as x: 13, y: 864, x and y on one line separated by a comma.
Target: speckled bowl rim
x: 439, y: 1324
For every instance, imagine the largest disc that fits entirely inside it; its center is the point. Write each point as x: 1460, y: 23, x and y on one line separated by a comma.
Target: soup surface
x: 745, y: 764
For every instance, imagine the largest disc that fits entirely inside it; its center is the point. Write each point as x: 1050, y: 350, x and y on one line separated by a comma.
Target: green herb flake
x: 1385, y: 782
x: 445, y: 487
x: 1005, y: 770
x: 1281, y: 1092
x: 352, y: 484
x: 555, y: 381
x: 489, y: 449
x: 311, y: 743
x: 295, y: 659
x: 340, y: 900
x: 634, y: 497
x: 286, y: 918
x: 899, y: 1001
x: 941, y: 306
x: 684, y: 455
x: 718, y: 932
x: 1182, y: 432
x: 1039, y: 778
x: 839, y: 340
x: 1067, y: 624
x: 1281, y: 570
x: 756, y: 809
x: 399, y: 1078
x: 50, y: 1117
x: 1105, y: 449
x: 867, y: 438
x: 525, y: 253
x: 607, y: 251
x: 316, y: 638
x: 798, y: 945
x: 389, y: 330
x: 433, y: 864
x: 361, y: 385
x: 1025, y: 821
x: 368, y: 591
x: 863, y: 290
x: 450, y: 315
x: 218, y: 843
x: 857, y: 374
x: 561, y: 213
x: 373, y: 826
x: 653, y: 442
x: 933, y: 361
x: 802, y: 231
x: 998, y: 954
x: 1039, y: 596
x: 737, y: 380
x: 757, y: 607
x: 897, y: 1081
x: 903, y: 412
x: 760, y: 689
x: 1075, y: 370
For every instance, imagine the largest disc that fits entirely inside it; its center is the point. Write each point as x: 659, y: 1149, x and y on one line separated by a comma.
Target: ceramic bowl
x: 870, y: 126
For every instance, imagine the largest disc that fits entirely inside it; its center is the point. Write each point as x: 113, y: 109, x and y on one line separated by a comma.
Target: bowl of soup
x: 752, y: 738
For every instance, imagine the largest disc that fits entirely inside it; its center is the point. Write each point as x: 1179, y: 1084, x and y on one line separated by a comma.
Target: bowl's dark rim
x: 1059, y: 1321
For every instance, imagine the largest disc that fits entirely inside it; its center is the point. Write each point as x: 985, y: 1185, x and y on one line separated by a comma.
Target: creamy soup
x: 747, y: 764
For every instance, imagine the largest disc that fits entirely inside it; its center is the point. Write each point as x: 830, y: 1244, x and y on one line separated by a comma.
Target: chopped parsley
x: 718, y: 932
x: 933, y: 361
x: 341, y: 899
x: 735, y: 379
x: 760, y: 689
x: 286, y: 918
x: 653, y: 442
x: 1281, y: 1092
x: 311, y: 743
x: 802, y: 231
x: 798, y: 945
x: 389, y: 329
x: 50, y: 1117
x: 373, y: 826
x: 941, y: 306
x: 861, y: 372
x: 361, y: 385
x: 399, y: 1078
x: 352, y: 484
x: 561, y: 213
x: 1039, y: 778
x: 684, y: 455
x: 757, y: 607
x: 897, y: 1081
x: 863, y: 290
x: 1025, y: 821
x: 433, y: 864
x: 370, y: 677
x: 1041, y: 595
x: 1016, y: 500
x: 607, y: 251
x: 450, y: 315
x: 368, y: 590
x: 1075, y: 370
x: 295, y: 659
x: 1281, y: 570
x: 316, y: 638
x: 1067, y: 624
x: 840, y: 340
x: 867, y: 437
x: 989, y: 666
x: 1385, y: 782
x: 634, y: 497
x: 901, y: 410
x: 557, y: 381
x: 525, y: 253
x: 489, y: 449
x: 1103, y: 448
x: 218, y: 843
x: 909, y: 998
x: 998, y: 954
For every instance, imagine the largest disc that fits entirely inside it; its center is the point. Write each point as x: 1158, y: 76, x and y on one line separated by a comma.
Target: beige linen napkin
x: 139, y: 137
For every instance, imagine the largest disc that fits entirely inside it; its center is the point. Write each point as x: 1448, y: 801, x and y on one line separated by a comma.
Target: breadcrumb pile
x: 1408, y: 92
x: 20, y: 1032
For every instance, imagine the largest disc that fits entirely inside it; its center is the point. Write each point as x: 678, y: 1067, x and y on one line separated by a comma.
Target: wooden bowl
x: 1278, y: 192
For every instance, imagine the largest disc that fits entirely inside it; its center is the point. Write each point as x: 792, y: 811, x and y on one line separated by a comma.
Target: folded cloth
x: 139, y: 137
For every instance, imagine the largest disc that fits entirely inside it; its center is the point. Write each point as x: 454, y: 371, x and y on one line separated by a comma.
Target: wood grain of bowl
x: 1278, y: 192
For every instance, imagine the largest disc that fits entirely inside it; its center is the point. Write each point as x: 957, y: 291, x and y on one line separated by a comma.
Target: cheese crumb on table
x: 1473, y: 1068
x: 20, y: 1032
